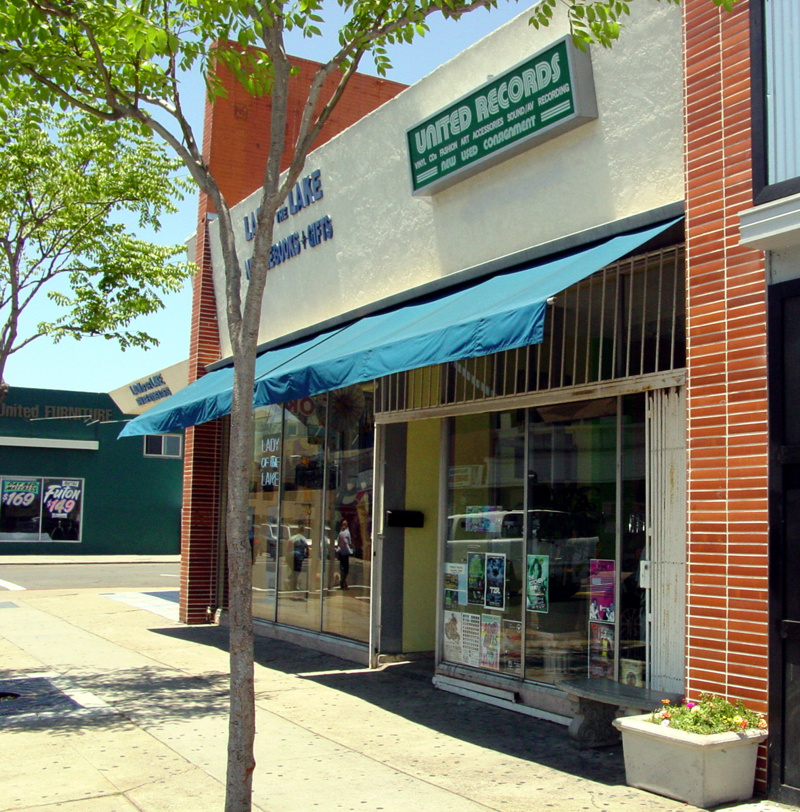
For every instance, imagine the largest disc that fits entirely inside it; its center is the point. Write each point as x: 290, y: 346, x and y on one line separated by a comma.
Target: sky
x: 97, y: 365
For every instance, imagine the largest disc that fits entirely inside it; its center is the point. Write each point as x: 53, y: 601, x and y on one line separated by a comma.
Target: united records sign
x: 546, y: 95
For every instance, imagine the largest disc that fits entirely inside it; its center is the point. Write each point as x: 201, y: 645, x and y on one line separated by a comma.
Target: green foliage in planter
x: 711, y: 714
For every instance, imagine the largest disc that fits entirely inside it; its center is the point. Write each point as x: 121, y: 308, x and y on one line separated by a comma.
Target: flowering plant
x: 711, y: 714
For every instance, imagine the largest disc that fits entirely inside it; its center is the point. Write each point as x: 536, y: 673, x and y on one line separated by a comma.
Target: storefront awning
x: 499, y: 313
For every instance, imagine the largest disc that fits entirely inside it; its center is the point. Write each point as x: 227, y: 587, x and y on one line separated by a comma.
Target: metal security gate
x: 666, y: 511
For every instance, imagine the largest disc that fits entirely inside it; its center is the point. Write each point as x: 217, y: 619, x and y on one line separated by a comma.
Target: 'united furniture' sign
x: 540, y: 98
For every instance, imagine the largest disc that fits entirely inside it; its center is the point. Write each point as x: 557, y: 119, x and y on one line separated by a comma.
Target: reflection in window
x: 311, y: 503
x: 300, y: 564
x: 782, y: 67
x: 348, y: 530
x: 484, y: 570
x: 265, y: 526
x: 532, y: 522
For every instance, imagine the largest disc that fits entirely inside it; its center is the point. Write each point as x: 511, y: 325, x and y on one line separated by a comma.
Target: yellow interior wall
x: 420, y: 553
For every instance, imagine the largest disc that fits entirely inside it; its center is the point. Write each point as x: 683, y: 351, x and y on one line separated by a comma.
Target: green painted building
x: 68, y: 485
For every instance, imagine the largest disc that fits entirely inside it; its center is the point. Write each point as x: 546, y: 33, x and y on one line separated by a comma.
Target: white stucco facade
x: 385, y: 240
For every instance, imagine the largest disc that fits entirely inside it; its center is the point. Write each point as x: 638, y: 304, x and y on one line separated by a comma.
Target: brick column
x: 200, y: 513
x: 727, y: 597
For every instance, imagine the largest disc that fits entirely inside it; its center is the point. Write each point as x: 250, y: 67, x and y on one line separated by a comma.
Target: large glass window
x: 303, y: 469
x: 545, y: 531
x: 782, y: 62
x: 348, y: 531
x: 571, y: 541
x: 311, y: 503
x: 775, y: 26
x: 484, y: 568
x: 265, y: 525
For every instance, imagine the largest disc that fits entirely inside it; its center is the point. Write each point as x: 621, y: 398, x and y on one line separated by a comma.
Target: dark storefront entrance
x: 784, y: 347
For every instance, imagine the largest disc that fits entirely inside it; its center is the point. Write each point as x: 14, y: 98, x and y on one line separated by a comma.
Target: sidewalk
x: 139, y: 722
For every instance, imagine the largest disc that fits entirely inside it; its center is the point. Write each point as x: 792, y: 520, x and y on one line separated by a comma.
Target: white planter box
x: 701, y: 770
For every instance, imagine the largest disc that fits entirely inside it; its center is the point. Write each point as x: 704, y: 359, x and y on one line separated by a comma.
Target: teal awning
x: 502, y: 312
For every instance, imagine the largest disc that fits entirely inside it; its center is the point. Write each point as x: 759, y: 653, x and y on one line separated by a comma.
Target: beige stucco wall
x: 385, y: 240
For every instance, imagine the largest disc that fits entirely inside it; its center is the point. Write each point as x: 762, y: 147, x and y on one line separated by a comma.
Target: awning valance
x: 499, y: 313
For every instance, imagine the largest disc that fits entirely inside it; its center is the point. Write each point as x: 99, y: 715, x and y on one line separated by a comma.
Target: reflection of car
x: 569, y: 541
x: 265, y: 537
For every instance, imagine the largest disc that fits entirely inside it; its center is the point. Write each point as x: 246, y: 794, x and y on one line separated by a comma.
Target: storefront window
x: 570, y: 541
x: 484, y: 570
x: 311, y: 501
x: 349, y: 444
x: 264, y: 502
x: 537, y: 562
x: 303, y: 465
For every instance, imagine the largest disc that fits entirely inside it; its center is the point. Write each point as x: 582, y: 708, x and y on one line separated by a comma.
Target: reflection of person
x: 299, y: 555
x: 343, y: 551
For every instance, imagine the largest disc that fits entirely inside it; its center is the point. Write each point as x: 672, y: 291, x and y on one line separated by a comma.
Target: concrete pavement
x: 142, y: 725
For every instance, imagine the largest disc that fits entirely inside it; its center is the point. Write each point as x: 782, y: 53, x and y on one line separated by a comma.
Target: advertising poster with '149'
x: 40, y: 509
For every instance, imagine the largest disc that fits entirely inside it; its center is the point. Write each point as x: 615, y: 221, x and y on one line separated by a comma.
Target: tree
x: 595, y: 22
x: 66, y: 182
x: 118, y: 60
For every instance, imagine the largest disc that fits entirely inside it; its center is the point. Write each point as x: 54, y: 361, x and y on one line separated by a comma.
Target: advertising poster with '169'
x: 40, y: 509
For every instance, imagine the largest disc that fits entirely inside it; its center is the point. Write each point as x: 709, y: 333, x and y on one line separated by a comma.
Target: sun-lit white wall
x: 629, y: 160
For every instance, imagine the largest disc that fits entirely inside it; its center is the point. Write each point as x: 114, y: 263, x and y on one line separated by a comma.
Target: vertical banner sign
x: 38, y: 509
x: 544, y: 96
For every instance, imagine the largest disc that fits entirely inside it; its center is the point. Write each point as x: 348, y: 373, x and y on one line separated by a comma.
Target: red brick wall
x: 239, y: 138
x: 727, y: 388
x: 236, y: 131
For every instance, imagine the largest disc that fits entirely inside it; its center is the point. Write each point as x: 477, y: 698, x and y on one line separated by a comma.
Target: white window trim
x: 163, y: 456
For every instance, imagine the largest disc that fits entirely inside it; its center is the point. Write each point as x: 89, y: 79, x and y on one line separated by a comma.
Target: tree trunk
x: 241, y: 723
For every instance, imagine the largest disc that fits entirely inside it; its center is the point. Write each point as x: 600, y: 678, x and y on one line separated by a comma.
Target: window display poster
x: 495, y: 581
x: 38, y: 509
x: 452, y: 637
x: 490, y: 642
x: 476, y: 578
x: 471, y: 639
x: 455, y: 584
x: 483, y: 518
x: 538, y: 583
x: 20, y: 509
x: 511, y: 647
x: 601, y: 589
x: 631, y: 672
x: 601, y: 650
x: 61, y: 508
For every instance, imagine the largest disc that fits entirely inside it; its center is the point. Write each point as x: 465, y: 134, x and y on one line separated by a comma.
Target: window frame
x: 163, y: 454
x: 763, y: 191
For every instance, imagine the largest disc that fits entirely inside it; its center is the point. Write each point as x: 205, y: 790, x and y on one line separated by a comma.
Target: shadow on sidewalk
x: 406, y: 689
x: 149, y: 696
